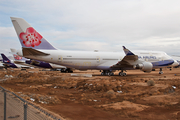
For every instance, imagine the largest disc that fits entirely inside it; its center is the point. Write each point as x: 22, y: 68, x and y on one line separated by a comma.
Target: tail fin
x: 7, y: 63
x: 16, y: 56
x: 17, y: 52
x: 28, y: 36
x: 13, y: 50
x: 5, y: 59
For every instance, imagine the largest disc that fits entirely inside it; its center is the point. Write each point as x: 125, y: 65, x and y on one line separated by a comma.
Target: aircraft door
x: 60, y: 58
x: 97, y: 60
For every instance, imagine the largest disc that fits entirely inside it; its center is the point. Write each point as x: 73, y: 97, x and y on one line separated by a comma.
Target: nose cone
x: 176, y: 63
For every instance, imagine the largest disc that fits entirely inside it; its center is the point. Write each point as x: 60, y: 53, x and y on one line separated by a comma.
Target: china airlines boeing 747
x: 34, y: 46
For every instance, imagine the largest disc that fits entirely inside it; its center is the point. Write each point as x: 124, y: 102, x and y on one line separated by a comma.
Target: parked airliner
x: 34, y: 46
x: 7, y: 63
x: 36, y: 63
x: 1, y: 65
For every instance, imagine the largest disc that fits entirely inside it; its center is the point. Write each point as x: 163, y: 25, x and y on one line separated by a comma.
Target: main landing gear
x: 110, y: 73
x: 122, y: 73
x: 107, y: 72
x: 160, y: 72
x: 66, y: 70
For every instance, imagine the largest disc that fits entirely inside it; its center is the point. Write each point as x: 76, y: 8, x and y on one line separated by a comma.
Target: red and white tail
x: 28, y: 36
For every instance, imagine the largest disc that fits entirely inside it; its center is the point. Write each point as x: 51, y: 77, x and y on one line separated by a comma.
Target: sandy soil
x: 135, y: 96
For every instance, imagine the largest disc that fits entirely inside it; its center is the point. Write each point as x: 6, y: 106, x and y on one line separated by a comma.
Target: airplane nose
x: 175, y: 63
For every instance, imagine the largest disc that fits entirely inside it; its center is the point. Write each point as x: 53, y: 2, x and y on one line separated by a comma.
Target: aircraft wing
x: 18, y: 62
x: 125, y: 62
x: 128, y: 61
x: 22, y: 64
x: 6, y: 65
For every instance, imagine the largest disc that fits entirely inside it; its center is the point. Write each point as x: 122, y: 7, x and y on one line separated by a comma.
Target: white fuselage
x: 84, y: 60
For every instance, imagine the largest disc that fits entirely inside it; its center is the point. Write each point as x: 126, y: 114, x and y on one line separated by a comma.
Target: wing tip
x: 127, y: 51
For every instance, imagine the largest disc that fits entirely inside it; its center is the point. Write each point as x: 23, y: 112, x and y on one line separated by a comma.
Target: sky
x: 88, y: 25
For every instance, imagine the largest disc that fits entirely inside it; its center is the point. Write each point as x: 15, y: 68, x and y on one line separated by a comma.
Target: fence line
x: 20, y: 109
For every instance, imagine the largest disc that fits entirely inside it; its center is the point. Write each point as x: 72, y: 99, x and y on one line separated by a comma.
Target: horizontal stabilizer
x: 30, y: 51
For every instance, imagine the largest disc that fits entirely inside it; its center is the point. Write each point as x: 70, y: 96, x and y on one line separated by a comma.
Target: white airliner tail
x: 28, y: 36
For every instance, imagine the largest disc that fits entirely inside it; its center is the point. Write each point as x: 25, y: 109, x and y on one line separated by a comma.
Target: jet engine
x: 145, y: 66
x: 34, y: 62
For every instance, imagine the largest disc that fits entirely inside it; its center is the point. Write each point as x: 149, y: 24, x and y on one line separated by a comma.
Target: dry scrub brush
x: 150, y: 83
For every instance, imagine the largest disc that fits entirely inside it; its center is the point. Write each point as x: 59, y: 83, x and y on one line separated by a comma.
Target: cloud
x: 7, y: 32
x: 87, y: 46
x: 98, y: 24
x: 8, y: 39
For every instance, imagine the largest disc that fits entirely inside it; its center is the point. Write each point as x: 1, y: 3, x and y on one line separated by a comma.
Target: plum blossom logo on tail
x: 17, y: 57
x: 31, y: 38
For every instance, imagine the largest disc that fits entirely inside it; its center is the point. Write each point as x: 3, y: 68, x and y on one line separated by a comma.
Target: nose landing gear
x: 160, y: 72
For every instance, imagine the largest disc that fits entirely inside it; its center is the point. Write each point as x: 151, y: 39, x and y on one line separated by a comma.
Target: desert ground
x: 80, y: 96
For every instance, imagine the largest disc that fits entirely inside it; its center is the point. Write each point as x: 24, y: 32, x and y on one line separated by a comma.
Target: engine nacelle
x: 145, y: 66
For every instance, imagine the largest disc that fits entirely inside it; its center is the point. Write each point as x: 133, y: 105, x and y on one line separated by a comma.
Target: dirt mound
x: 128, y: 97
x: 125, y: 105
x: 161, y: 100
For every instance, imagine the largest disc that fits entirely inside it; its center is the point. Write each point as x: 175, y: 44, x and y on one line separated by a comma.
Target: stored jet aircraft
x: 9, y: 64
x: 177, y: 58
x: 20, y: 60
x: 36, y: 63
x: 34, y: 46
x: 1, y: 64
